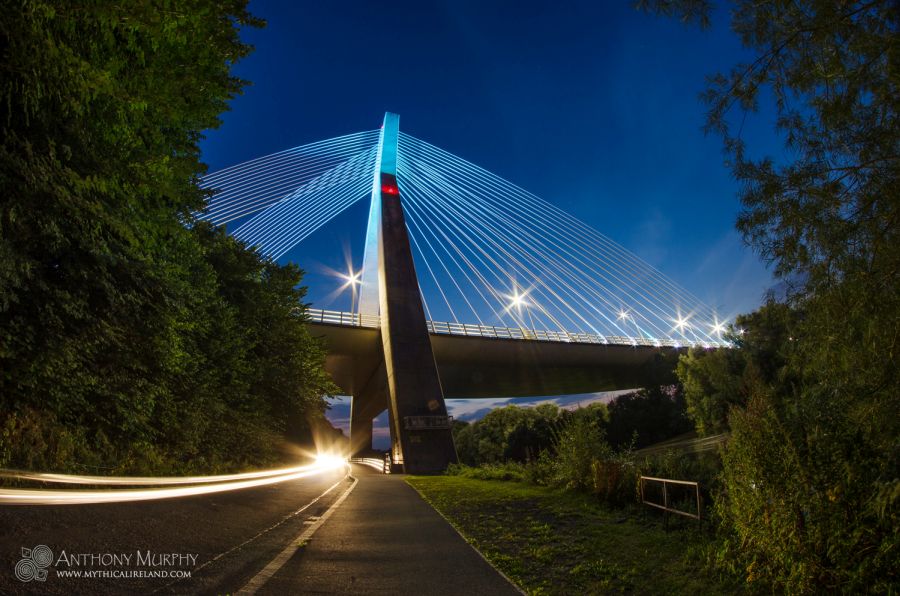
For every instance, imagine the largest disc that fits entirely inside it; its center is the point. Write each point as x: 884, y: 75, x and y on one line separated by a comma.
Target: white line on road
x: 266, y: 531
x: 260, y: 579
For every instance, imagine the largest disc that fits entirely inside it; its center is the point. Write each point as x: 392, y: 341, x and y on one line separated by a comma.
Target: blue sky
x: 590, y: 105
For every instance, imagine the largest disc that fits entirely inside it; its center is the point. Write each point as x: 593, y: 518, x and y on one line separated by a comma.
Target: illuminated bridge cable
x: 575, y: 225
x: 287, y: 164
x: 447, y: 241
x: 490, y: 251
x: 251, y: 186
x: 545, y: 263
x: 503, y: 265
x: 306, y: 202
x: 523, y: 197
x: 487, y: 234
x: 425, y: 232
x: 456, y: 231
x: 505, y: 269
x: 285, y: 224
x: 489, y: 231
x: 433, y: 276
x: 247, y: 199
x: 562, y: 244
x: 545, y: 224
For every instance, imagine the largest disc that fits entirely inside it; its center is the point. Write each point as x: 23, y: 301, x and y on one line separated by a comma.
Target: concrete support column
x: 416, y: 400
x: 363, y: 409
x: 360, y: 429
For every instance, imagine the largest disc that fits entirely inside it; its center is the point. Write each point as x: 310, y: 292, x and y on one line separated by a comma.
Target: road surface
x: 381, y: 539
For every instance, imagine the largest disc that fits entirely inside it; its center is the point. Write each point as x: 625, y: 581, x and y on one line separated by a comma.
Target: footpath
x: 385, y: 539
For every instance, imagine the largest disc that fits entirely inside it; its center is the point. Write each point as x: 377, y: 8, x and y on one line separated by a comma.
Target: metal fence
x: 666, y: 504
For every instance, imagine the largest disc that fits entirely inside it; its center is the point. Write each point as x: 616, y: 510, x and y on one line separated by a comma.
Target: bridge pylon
x: 420, y: 431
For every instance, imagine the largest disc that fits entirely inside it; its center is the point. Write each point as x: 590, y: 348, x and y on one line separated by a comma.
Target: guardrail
x: 333, y: 317
x: 348, y: 319
x: 665, y: 505
x: 379, y: 464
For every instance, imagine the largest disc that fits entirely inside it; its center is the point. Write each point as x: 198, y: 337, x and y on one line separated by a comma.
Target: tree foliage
x: 648, y: 416
x: 129, y: 336
x: 812, y: 470
x: 716, y: 380
x: 509, y: 433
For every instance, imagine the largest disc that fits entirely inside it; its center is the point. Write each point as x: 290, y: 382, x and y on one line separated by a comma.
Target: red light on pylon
x: 389, y: 184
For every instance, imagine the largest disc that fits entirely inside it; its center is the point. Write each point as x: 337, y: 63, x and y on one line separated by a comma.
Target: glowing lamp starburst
x: 681, y: 323
x: 352, y: 279
x: 517, y: 300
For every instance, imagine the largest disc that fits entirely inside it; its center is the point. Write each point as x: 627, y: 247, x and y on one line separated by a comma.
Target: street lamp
x: 352, y: 280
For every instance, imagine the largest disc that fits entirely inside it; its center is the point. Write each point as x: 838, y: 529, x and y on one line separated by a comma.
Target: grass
x: 559, y: 542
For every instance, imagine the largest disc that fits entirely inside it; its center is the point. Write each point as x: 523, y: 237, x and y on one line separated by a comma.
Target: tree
x: 811, y: 470
x: 510, y: 433
x: 581, y: 443
x: 647, y: 416
x: 131, y: 338
x: 717, y: 380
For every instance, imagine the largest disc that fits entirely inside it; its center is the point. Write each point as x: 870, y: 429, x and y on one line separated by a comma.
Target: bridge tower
x: 407, y: 382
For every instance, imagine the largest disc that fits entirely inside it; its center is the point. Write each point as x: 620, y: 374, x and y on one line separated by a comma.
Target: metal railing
x: 348, y: 319
x: 665, y: 505
x: 372, y: 462
x: 333, y: 317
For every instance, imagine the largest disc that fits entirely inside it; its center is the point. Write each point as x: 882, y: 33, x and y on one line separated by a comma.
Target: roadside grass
x: 551, y: 541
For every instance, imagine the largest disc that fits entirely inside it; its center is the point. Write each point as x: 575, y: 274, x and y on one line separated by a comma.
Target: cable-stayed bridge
x: 470, y: 285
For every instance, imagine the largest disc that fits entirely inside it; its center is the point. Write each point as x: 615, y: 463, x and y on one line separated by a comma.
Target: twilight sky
x: 590, y: 105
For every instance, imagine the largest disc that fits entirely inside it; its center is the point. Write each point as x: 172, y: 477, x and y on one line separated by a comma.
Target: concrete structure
x: 484, y: 367
x: 405, y: 376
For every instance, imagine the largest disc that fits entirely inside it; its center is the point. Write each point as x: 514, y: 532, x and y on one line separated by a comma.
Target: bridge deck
x: 479, y: 362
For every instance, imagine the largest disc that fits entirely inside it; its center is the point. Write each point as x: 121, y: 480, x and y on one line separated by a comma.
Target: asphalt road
x: 229, y: 536
x: 381, y: 539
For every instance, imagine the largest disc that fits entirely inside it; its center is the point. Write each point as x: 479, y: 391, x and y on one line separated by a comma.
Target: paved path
x: 384, y: 539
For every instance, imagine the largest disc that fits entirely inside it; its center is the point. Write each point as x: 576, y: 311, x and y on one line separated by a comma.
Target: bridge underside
x: 479, y: 367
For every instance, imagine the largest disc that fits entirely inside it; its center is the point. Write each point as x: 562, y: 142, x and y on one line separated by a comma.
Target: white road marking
x: 260, y: 579
x: 267, y: 530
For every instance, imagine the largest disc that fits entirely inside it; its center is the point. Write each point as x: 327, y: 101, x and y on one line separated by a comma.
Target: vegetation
x: 811, y: 471
x: 572, y: 450
x: 508, y: 433
x: 551, y: 541
x: 807, y: 498
x: 131, y: 337
x: 522, y: 434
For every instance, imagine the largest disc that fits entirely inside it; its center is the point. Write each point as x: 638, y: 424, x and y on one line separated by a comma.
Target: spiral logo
x: 26, y: 570
x: 42, y: 555
x: 34, y: 563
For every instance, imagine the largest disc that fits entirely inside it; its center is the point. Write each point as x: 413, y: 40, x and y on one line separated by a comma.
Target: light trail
x: 209, y: 485
x: 149, y: 480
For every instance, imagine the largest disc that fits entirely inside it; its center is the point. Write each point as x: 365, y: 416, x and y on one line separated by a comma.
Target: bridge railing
x: 349, y: 319
x: 441, y: 328
x: 333, y: 317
